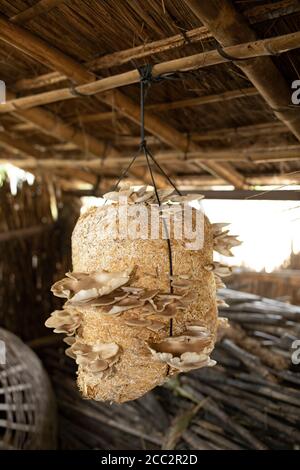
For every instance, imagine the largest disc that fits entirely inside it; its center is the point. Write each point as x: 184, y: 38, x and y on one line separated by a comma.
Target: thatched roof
x: 217, y: 121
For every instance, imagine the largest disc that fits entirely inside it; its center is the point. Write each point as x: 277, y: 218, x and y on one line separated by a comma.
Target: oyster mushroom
x: 64, y: 321
x: 187, y: 351
x: 221, y: 270
x: 94, y: 359
x: 83, y: 287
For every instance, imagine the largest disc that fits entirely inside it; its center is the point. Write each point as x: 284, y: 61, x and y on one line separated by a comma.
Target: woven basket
x: 27, y: 407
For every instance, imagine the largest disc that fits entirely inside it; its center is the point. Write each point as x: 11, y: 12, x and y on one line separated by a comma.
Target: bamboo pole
x: 270, y: 11
x: 188, y: 183
x: 199, y: 101
x: 23, y: 40
x: 255, y: 15
x: 167, y: 157
x: 41, y: 51
x: 230, y: 29
x: 264, y: 129
x: 23, y: 127
x: 268, y: 128
x: 171, y: 136
x: 19, y: 147
x: 119, y: 58
x: 51, y: 124
x: 252, y: 49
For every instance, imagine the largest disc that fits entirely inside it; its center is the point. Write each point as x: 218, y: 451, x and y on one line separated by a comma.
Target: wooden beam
x: 51, y: 124
x: 28, y: 42
x: 19, y: 147
x: 80, y: 175
x: 205, y: 157
x: 227, y: 133
x: 97, y: 117
x: 237, y: 194
x: 230, y: 28
x: 194, y: 181
x: 271, y: 11
x: 43, y: 6
x: 185, y: 103
x: 119, y: 57
x: 23, y: 127
x: 24, y: 232
x: 248, y: 50
x: 254, y: 14
x: 170, y: 136
x: 268, y: 128
x: 271, y: 195
x: 200, y: 182
x: 252, y: 130
x: 202, y: 100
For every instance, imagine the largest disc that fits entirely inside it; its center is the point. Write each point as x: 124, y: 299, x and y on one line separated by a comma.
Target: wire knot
x: 143, y: 144
x: 146, y: 73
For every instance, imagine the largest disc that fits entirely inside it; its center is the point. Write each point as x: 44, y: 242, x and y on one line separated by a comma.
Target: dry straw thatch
x: 233, y: 119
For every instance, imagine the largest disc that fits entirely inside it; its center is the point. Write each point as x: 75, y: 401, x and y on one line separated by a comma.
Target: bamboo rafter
x: 254, y: 15
x: 170, y: 157
x: 250, y: 50
x: 41, y: 51
x: 230, y: 28
x: 263, y: 129
x: 179, y: 104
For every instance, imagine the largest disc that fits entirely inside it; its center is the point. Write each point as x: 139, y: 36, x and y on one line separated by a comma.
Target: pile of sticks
x: 249, y: 400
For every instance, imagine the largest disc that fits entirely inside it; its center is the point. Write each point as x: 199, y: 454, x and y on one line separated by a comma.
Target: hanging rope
x: 146, y: 79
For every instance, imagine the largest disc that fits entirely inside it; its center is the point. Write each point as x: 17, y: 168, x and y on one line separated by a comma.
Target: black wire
x: 146, y: 152
x: 146, y: 79
x: 124, y: 172
x: 163, y: 172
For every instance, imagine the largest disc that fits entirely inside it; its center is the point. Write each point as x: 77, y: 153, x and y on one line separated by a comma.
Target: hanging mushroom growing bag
x: 140, y: 308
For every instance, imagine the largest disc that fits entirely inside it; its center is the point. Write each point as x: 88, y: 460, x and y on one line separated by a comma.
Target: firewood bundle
x: 249, y: 400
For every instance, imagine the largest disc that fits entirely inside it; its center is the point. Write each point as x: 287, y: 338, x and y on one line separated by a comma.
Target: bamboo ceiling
x: 72, y: 104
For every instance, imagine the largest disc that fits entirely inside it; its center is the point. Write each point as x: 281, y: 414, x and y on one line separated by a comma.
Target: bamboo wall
x: 283, y: 285
x: 33, y: 253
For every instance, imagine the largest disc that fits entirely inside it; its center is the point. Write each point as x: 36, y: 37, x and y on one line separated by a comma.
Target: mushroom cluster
x: 65, y: 321
x: 107, y: 292
x: 97, y: 359
x: 147, y: 195
x: 131, y: 323
x: 223, y: 242
x: 187, y: 351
